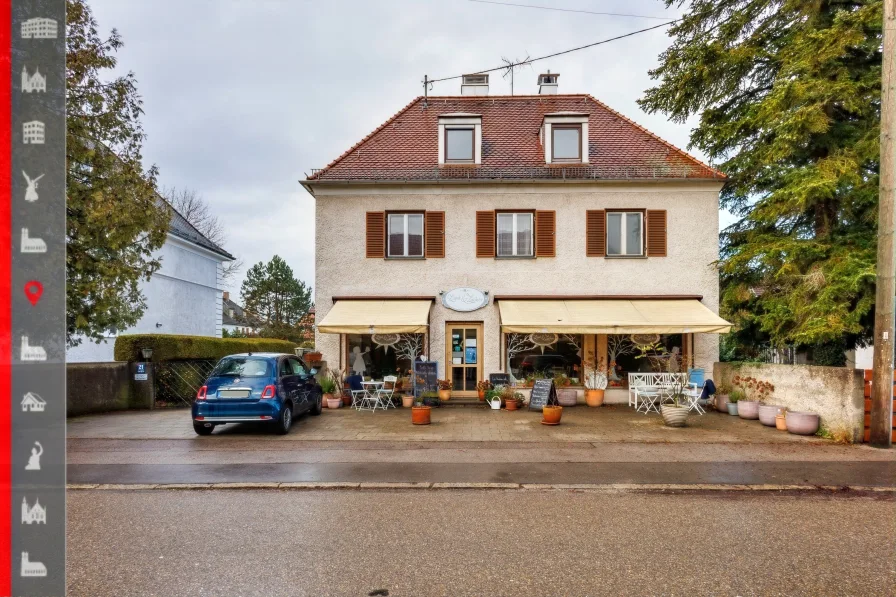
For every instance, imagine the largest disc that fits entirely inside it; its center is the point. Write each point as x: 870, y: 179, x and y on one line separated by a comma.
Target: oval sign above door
x: 464, y: 299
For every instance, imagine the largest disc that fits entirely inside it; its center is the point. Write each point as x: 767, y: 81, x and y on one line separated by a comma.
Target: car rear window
x: 243, y: 367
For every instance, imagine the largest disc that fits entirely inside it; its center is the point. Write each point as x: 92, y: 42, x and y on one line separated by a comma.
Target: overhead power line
x: 589, y: 12
x: 428, y: 81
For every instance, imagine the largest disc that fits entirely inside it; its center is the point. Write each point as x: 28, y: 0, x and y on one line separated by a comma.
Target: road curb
x: 606, y: 487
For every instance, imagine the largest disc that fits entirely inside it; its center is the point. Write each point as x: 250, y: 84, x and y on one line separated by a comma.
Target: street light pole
x: 882, y: 379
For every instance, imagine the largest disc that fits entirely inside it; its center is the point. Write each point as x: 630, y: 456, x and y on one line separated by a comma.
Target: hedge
x: 170, y: 347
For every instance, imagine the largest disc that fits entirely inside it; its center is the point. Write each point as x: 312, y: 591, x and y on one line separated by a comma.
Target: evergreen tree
x: 788, y: 93
x: 115, y: 221
x: 273, y: 294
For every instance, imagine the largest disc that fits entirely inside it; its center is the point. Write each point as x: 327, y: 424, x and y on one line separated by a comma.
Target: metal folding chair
x: 385, y: 394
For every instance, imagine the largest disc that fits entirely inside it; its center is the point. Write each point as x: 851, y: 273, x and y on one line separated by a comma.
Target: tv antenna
x: 511, y: 66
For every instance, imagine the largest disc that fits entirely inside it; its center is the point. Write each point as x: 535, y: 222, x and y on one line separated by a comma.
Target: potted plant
x: 675, y: 415
x: 550, y: 414
x: 444, y: 389
x: 768, y: 412
x: 328, y: 386
x: 482, y: 387
x: 595, y: 384
x: 430, y: 398
x: 493, y: 397
x: 755, y: 390
x: 733, y: 399
x: 565, y: 395
x: 420, y: 411
x: 802, y: 422
x: 407, y: 400
x: 722, y: 392
x: 515, y: 401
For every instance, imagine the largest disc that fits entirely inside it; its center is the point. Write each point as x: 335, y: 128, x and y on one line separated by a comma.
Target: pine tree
x: 788, y: 97
x: 273, y: 294
x: 115, y: 221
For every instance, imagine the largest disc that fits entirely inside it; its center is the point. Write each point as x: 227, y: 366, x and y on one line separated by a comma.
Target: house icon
x: 34, y: 403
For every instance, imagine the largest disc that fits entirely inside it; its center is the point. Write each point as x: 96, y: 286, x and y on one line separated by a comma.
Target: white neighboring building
x: 183, y: 297
x: 235, y: 319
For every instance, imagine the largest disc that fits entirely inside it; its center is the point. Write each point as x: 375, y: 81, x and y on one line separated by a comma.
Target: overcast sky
x: 242, y: 98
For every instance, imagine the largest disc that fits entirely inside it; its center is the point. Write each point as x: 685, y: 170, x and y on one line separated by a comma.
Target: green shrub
x: 736, y: 396
x: 831, y: 354
x: 170, y: 347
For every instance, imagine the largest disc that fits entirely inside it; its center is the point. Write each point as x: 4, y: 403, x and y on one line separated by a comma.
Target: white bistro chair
x: 385, y: 393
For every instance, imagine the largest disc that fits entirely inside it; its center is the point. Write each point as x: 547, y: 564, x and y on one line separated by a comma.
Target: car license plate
x: 241, y: 393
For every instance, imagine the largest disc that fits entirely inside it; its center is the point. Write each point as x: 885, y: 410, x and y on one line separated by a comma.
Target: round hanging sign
x: 543, y: 339
x: 385, y: 340
x: 464, y: 299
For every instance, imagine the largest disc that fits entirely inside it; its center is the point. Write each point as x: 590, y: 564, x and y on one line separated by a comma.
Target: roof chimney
x: 474, y: 85
x: 547, y: 83
x: 226, y: 296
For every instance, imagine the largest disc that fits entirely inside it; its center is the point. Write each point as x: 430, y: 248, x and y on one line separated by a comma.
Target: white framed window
x: 625, y: 233
x: 405, y: 235
x: 515, y: 234
x: 460, y: 145
x: 566, y: 143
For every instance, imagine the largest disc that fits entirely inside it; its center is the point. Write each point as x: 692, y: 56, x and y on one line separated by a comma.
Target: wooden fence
x: 867, y: 435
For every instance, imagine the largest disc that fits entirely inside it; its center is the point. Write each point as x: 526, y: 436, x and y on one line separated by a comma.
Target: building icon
x: 33, y: 132
x: 34, y: 403
x: 33, y: 514
x: 35, y: 82
x: 40, y: 28
x: 32, y: 568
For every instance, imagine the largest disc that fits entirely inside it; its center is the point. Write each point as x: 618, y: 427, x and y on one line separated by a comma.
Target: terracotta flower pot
x: 420, y: 415
x: 594, y: 397
x: 334, y: 402
x: 550, y: 415
x: 802, y: 423
x: 324, y: 399
x: 481, y: 395
x: 510, y: 405
x: 781, y: 422
x: 312, y: 357
x: 722, y: 403
x: 767, y: 414
x: 346, y: 400
x: 407, y: 401
x: 566, y: 397
x: 444, y: 395
x: 674, y: 416
x: 748, y: 409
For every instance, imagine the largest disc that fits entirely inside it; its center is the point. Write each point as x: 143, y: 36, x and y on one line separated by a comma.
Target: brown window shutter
x: 656, y: 232
x: 376, y: 234
x: 596, y: 233
x: 545, y: 234
x: 485, y: 234
x: 434, y: 231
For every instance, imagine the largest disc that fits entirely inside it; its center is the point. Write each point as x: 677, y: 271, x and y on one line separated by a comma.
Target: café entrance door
x: 463, y: 355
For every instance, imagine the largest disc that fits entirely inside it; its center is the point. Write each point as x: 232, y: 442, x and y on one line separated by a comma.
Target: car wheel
x: 201, y: 429
x: 285, y: 421
x: 318, y: 406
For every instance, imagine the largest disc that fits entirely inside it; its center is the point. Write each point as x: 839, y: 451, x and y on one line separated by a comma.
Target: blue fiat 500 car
x: 257, y: 387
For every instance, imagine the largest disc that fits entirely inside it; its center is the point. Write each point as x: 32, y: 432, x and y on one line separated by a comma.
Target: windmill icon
x: 31, y: 191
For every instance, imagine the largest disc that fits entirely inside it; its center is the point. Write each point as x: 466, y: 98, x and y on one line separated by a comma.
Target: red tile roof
x: 405, y: 147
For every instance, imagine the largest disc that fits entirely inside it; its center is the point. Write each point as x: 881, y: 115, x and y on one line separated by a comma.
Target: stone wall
x: 99, y: 387
x: 835, y: 393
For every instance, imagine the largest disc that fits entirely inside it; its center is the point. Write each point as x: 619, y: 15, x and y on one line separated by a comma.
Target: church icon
x: 34, y: 403
x: 32, y: 244
x: 35, y: 82
x: 33, y: 514
x: 30, y: 568
x: 32, y: 353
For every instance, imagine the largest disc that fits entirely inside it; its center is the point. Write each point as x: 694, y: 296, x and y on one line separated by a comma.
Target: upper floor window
x: 406, y: 235
x: 625, y: 233
x: 515, y: 234
x: 460, y: 145
x: 566, y: 144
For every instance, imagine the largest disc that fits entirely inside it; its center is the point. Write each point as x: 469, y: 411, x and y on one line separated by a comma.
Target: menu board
x: 429, y: 372
x: 543, y: 393
x: 499, y: 379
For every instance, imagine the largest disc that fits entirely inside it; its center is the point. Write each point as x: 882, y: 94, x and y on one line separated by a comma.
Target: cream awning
x: 376, y: 316
x: 610, y: 316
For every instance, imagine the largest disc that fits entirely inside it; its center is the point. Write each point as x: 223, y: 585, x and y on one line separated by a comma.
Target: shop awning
x: 377, y: 316
x: 610, y: 316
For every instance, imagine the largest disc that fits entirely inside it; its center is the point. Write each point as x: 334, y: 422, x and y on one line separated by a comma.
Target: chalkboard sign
x: 543, y: 393
x: 429, y: 372
x: 499, y: 379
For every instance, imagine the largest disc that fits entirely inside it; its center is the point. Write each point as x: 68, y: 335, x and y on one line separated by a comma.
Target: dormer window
x: 460, y: 139
x: 564, y: 136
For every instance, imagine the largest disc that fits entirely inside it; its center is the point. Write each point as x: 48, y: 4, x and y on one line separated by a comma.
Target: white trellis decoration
x: 384, y: 341
x: 409, y: 347
x: 516, y: 344
x: 543, y: 339
x: 617, y: 346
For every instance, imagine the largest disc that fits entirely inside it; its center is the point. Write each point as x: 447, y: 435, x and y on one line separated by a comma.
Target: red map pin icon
x: 33, y: 290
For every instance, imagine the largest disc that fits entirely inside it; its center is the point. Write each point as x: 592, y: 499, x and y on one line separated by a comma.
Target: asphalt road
x: 479, y: 543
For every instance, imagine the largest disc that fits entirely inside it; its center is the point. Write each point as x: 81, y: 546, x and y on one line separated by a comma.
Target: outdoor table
x: 371, y: 388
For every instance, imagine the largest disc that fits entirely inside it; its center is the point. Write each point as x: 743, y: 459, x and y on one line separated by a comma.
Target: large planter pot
x: 510, y: 405
x: 802, y: 423
x: 748, y: 409
x: 334, y: 402
x: 594, y: 397
x: 722, y: 403
x: 674, y: 416
x: 407, y: 401
x: 566, y: 397
x: 420, y: 415
x: 444, y: 395
x: 732, y: 408
x: 781, y: 422
x: 550, y: 415
x: 767, y: 414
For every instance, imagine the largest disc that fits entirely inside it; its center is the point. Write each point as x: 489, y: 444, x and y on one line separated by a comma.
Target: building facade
x: 531, y: 235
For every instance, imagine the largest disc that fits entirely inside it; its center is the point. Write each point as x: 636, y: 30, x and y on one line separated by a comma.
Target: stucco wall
x: 342, y: 268
x: 837, y: 394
